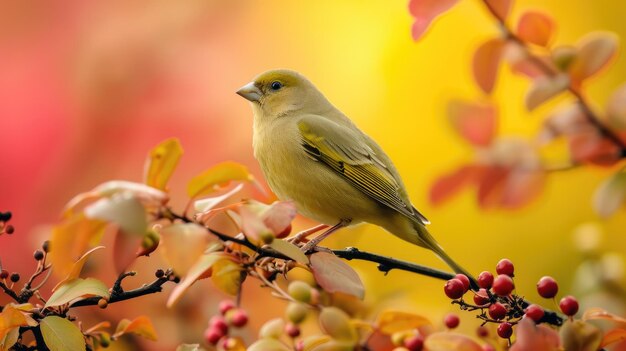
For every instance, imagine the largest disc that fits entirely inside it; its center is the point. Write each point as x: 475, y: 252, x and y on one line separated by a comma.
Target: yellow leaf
x: 77, y: 288
x: 12, y: 317
x: 162, y: 162
x: 59, y: 334
x: 227, y: 276
x: 216, y: 177
x: 77, y: 267
x: 290, y: 250
x: 390, y: 321
x: 141, y: 326
x: 9, y: 339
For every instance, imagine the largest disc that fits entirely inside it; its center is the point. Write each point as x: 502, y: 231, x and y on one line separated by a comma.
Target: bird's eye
x: 276, y: 85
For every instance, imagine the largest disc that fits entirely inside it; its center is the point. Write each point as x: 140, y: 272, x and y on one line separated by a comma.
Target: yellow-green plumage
x: 314, y: 155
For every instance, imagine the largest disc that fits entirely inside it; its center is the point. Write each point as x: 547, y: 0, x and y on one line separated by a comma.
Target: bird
x: 315, y: 156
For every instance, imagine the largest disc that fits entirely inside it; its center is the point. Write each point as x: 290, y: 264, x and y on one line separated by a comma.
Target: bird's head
x: 280, y: 92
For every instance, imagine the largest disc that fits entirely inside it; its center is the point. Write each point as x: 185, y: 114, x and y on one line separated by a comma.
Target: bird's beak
x: 250, y: 92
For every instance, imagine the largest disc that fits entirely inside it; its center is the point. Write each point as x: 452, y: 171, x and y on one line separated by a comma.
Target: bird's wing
x: 347, y: 153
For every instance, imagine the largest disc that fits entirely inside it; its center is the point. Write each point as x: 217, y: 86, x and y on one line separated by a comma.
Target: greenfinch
x: 315, y: 156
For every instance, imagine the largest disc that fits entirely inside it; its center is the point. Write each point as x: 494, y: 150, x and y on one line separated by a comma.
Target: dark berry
x: 481, y: 297
x: 4, y: 274
x: 534, y: 312
x: 451, y: 320
x: 485, y: 280
x: 547, y: 287
x: 159, y: 273
x: 569, y: 305
x: 292, y: 330
x: 414, y: 343
x: 46, y: 246
x: 5, y: 216
x: 505, y: 330
x: 15, y: 277
x: 505, y: 266
x: 502, y: 285
x: 38, y: 255
x: 497, y: 311
x: 454, y: 288
x: 464, y: 279
x: 9, y: 229
x: 218, y: 322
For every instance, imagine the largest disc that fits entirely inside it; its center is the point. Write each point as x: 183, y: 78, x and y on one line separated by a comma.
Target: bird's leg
x: 305, y: 233
x: 311, y: 244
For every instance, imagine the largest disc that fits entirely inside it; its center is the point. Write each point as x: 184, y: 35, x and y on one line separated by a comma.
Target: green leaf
x: 60, y: 334
x: 77, y: 288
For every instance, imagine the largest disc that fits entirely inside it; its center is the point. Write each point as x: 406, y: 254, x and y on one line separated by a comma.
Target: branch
x: 121, y: 295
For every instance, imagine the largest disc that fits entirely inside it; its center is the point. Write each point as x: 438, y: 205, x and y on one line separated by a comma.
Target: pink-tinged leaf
x: 599, y: 313
x: 124, y: 210
x: 196, y: 272
x: 610, y: 196
x: 252, y: 225
x: 613, y: 336
x: 207, y: 204
x: 227, y: 276
x: 595, y: 51
x: 77, y: 288
x: 99, y: 327
x: 580, y: 336
x: 536, y: 27
x: 491, y: 186
x: 77, y: 267
x: 391, y: 321
x: 475, y: 122
x: 162, y: 162
x: 616, y: 108
x: 290, y: 250
x: 334, y: 275
x: 141, y: 326
x: 60, y: 334
x: 486, y: 62
x: 544, y: 88
x: 535, y: 337
x: 521, y: 187
x: 451, y: 341
x: 448, y: 185
x: 279, y: 216
x: 336, y: 323
x: 217, y: 177
x: 566, y: 121
x: 425, y: 11
x: 591, y: 147
x: 527, y: 68
x: 125, y: 248
x: 183, y: 244
x: 501, y: 8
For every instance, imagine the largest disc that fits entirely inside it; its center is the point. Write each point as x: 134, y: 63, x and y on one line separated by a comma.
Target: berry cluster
x: 219, y: 325
x: 5, y: 217
x: 496, y: 301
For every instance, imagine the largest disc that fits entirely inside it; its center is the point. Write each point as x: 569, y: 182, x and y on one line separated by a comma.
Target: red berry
x: 547, y: 287
x: 292, y: 330
x: 503, y: 285
x: 219, y: 323
x: 464, y: 279
x: 505, y: 330
x: 225, y: 306
x: 497, y: 311
x: 534, y: 312
x: 238, y: 318
x: 485, y: 280
x: 454, y: 289
x: 212, y: 335
x: 451, y: 320
x: 482, y: 332
x: 481, y: 297
x: 414, y: 343
x: 505, y: 266
x: 569, y: 305
x: 9, y: 229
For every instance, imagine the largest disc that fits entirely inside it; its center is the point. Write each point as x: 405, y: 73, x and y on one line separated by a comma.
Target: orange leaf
x: 216, y: 177
x: 476, y: 122
x: 334, y: 275
x: 141, y: 326
x: 536, y: 27
x: 491, y: 186
x: 526, y: 67
x: 535, y: 337
x: 77, y: 267
x: 595, y: 51
x: 544, y: 88
x: 599, y: 313
x: 389, y: 322
x: 590, y: 146
x: 197, y: 271
x: 522, y: 186
x: 449, y: 184
x: 12, y: 317
x: 183, y: 244
x: 607, y: 199
x: 450, y: 341
x: 500, y: 7
x: 616, y: 108
x: 425, y: 11
x: 162, y: 162
x: 613, y: 336
x: 486, y: 62
x: 227, y: 276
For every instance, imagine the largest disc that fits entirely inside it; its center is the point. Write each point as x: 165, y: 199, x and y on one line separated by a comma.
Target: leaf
x: 279, y: 216
x: 216, y: 177
x: 77, y: 267
x: 207, y: 204
x: 522, y: 186
x: 449, y: 184
x: 336, y: 323
x: 580, y: 336
x: 13, y: 317
x: 425, y: 11
x: 565, y: 121
x: 334, y: 275
x: 59, y: 334
x: 141, y: 326
x: 183, y: 245
x: 199, y: 269
x: 290, y: 250
x: 227, y: 276
x: 610, y: 195
x: 450, y: 341
x: 161, y: 163
x: 267, y: 344
x: 536, y: 27
x: 9, y: 339
x: 535, y: 337
x: 595, y: 51
x: 491, y: 185
x: 616, y: 108
x: 75, y: 289
x: 476, y: 122
x: 124, y: 210
x: 486, y: 62
x: 591, y: 146
x: 189, y: 347
x: 99, y: 327
x: 544, y: 88
x: 599, y: 313
x: 252, y: 225
x: 501, y: 8
x: 613, y: 336
x: 389, y: 322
